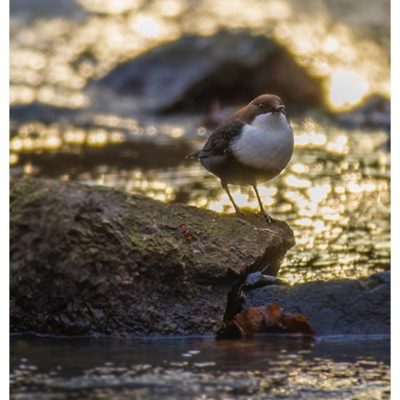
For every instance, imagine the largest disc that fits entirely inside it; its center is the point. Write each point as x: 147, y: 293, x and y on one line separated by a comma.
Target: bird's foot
x: 267, y: 218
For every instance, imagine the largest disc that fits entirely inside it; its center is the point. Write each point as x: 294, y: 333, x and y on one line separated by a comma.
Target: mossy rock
x: 90, y: 260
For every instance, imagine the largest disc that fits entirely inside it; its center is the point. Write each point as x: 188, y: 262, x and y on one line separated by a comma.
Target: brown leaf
x: 263, y: 319
x: 297, y: 324
x: 250, y: 321
x: 274, y: 312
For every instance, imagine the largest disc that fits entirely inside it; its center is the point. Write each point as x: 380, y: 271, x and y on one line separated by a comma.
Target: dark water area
x: 200, y: 368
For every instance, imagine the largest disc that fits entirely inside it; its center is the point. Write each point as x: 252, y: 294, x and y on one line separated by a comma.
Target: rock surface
x: 90, y: 260
x: 373, y: 113
x: 342, y: 306
x: 230, y: 67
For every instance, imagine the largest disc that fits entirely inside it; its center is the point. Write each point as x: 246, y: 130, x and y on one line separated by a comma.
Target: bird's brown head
x: 266, y: 103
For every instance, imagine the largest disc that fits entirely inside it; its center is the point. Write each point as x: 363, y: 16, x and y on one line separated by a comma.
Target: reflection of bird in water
x: 252, y: 145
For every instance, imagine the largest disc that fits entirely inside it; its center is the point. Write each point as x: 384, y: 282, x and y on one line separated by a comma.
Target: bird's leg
x: 262, y: 211
x: 226, y: 187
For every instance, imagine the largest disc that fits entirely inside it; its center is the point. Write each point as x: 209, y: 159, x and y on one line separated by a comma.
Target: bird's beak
x: 280, y: 108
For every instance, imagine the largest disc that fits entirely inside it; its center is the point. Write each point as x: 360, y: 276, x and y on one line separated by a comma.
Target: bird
x: 251, y: 146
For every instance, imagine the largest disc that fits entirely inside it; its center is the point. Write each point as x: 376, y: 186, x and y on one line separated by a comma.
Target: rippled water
x: 270, y: 367
x: 334, y: 193
x: 52, y: 58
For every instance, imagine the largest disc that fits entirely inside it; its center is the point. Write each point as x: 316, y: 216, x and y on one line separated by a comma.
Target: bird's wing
x: 219, y: 141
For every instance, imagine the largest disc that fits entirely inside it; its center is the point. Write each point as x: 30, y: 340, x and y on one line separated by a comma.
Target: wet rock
x: 342, y: 306
x: 373, y: 113
x: 257, y: 279
x: 94, y: 260
x: 230, y: 67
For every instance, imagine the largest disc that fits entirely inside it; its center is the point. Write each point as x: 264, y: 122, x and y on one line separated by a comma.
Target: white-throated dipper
x: 251, y: 146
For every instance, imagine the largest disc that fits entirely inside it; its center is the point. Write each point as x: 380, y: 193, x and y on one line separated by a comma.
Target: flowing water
x: 269, y: 367
x: 335, y: 194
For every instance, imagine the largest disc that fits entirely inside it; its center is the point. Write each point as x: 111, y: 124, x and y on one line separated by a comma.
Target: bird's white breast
x: 265, y: 144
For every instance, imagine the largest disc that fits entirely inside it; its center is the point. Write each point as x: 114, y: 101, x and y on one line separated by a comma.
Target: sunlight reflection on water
x: 52, y: 60
x: 334, y: 193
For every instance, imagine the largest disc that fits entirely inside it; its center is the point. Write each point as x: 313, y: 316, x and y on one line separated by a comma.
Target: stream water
x: 334, y: 193
x: 335, y: 196
x: 200, y: 368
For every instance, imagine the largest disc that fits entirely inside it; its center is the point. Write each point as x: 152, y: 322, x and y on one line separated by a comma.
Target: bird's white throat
x: 266, y: 143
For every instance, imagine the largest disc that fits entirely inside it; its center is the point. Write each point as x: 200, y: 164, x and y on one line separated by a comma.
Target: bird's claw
x: 239, y: 214
x: 267, y: 218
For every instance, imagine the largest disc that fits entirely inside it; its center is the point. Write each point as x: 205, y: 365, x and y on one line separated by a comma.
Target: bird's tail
x: 193, y: 156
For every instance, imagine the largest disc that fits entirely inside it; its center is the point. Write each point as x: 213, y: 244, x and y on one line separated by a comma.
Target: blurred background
x: 116, y: 93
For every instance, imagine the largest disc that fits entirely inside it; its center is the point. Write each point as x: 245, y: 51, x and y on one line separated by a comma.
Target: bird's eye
x: 261, y: 105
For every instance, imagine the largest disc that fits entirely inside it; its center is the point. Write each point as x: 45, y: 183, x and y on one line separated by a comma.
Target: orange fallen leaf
x: 263, y: 319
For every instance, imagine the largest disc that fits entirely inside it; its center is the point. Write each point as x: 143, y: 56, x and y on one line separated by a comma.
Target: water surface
x: 334, y: 194
x: 200, y: 368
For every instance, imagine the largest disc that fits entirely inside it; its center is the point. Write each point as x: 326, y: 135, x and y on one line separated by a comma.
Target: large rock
x: 93, y: 260
x: 342, y: 306
x: 373, y: 113
x: 231, y: 67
